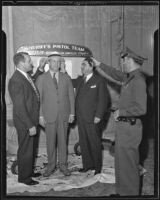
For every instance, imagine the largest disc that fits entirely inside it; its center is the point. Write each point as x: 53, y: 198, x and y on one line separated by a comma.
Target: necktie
x: 55, y: 80
x: 33, y: 86
x: 85, y: 79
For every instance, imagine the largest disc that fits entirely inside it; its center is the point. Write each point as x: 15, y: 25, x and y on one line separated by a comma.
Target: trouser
x: 56, y: 130
x: 36, y: 146
x: 25, y: 155
x: 90, y: 144
x: 127, y: 140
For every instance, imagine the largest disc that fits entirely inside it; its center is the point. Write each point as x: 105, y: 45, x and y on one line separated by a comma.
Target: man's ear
x: 20, y: 64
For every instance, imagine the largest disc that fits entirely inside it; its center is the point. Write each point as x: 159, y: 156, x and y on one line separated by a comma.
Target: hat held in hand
x: 129, y: 53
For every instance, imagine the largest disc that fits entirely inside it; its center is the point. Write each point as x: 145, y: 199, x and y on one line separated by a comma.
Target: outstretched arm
x: 40, y: 69
x: 109, y: 72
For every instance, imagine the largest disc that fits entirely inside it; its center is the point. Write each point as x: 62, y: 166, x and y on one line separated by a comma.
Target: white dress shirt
x: 88, y: 76
x: 56, y: 74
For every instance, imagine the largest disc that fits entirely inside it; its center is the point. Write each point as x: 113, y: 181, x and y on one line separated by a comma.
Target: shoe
x: 97, y: 172
x: 114, y: 195
x: 31, y: 182
x: 83, y: 170
x: 48, y: 173
x: 65, y: 171
x: 35, y: 175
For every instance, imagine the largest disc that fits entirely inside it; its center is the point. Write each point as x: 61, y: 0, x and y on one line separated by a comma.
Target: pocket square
x: 93, y: 86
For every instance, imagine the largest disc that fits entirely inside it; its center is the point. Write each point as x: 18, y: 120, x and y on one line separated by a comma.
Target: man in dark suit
x: 91, y: 105
x: 25, y: 98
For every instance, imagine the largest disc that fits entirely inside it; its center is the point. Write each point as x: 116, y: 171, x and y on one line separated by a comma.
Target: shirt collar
x: 56, y: 73
x: 22, y: 72
x: 134, y: 72
x: 89, y: 76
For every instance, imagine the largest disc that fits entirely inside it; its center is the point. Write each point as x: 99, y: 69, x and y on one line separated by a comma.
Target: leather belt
x: 131, y: 120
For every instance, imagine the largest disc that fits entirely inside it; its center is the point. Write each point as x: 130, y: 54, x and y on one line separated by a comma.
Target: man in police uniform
x: 131, y: 107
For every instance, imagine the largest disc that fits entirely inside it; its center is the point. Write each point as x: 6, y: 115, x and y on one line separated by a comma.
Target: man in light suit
x: 25, y: 98
x: 56, y: 111
x: 91, y: 105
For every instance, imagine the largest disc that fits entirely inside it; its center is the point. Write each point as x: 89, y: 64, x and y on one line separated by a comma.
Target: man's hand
x: 116, y: 115
x: 32, y: 131
x: 42, y: 121
x: 96, y: 62
x: 71, y: 118
x: 96, y: 120
x: 42, y: 63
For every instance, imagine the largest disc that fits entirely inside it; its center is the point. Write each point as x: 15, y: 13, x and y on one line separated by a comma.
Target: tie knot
x: 54, y: 75
x: 29, y: 77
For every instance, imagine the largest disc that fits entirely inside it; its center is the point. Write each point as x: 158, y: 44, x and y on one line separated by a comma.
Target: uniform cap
x: 129, y: 53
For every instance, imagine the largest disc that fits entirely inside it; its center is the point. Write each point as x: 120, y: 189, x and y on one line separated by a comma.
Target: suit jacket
x: 55, y: 101
x: 91, y: 98
x: 25, y: 101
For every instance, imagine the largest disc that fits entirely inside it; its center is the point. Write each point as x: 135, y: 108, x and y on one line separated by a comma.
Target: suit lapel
x: 90, y: 82
x: 49, y: 77
x: 87, y: 84
x: 60, y: 80
x: 23, y: 78
x: 79, y: 85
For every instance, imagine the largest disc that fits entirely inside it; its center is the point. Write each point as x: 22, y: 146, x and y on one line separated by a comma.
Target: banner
x: 46, y: 49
